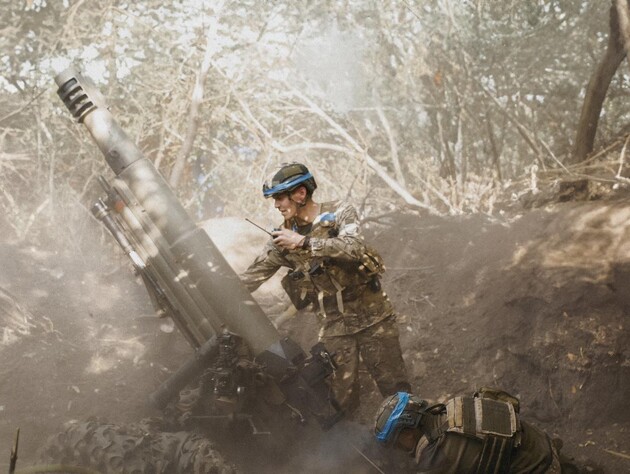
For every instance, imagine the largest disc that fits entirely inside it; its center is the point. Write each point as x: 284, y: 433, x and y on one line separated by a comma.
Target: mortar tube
x: 191, y: 369
x: 192, y: 247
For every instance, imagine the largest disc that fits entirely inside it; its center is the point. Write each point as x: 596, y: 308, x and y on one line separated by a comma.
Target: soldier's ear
x: 299, y: 194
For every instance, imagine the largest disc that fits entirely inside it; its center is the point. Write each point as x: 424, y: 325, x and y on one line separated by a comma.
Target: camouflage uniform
x: 447, y: 452
x: 132, y: 449
x: 338, y: 274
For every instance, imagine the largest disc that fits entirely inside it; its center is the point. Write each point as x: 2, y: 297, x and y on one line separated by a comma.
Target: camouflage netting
x: 134, y: 448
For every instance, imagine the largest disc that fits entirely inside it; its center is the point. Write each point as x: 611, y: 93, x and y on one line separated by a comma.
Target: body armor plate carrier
x: 492, y: 421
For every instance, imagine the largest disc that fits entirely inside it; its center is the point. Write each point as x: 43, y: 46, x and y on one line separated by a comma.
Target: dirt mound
x: 535, y: 304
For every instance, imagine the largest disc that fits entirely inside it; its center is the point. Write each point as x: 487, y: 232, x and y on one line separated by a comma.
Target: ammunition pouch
x: 479, y: 417
x: 297, y: 293
x: 493, y: 421
x: 331, y: 288
x: 500, y: 395
x: 372, y: 264
x: 303, y: 286
x: 374, y: 284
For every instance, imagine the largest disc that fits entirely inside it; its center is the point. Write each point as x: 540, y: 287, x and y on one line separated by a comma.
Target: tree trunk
x: 623, y: 11
x: 447, y: 165
x: 598, y: 87
x: 496, y: 156
x: 193, y: 119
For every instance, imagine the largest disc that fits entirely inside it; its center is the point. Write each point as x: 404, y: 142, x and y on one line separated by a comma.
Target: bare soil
x: 535, y: 303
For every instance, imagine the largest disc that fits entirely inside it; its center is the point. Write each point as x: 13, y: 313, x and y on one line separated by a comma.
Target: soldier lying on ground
x: 479, y: 434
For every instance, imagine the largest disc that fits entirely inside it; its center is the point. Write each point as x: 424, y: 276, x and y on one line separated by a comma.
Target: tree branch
x: 522, y: 130
x: 371, y: 162
x: 597, y: 89
x: 393, y: 146
x: 195, y: 104
x: 624, y: 23
x: 25, y: 106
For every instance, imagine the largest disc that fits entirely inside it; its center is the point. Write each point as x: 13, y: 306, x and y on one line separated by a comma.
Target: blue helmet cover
x: 390, y: 425
x: 286, y: 185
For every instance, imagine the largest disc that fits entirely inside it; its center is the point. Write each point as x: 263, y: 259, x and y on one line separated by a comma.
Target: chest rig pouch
x: 324, y: 279
x: 493, y: 421
x: 313, y: 285
x: 372, y: 266
x: 299, y: 285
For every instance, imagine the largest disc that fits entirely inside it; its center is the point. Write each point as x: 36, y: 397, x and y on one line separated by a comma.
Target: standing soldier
x: 331, y: 267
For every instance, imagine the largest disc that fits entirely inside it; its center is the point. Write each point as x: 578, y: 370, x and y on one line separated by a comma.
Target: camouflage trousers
x: 378, y: 347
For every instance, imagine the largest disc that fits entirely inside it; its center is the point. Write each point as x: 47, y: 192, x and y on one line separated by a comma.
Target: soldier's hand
x: 287, y: 239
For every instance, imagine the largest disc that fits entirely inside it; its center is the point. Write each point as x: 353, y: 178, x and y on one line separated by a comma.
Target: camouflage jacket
x: 338, y: 274
x: 459, y: 453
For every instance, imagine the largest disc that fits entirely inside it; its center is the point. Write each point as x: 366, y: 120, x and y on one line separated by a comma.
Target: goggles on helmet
x: 270, y: 189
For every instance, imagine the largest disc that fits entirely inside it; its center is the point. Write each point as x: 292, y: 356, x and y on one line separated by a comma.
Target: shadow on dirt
x: 536, y: 305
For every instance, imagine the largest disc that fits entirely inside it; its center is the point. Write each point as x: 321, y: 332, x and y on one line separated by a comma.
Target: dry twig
x: 622, y: 156
x: 371, y: 162
x: 618, y: 454
x: 26, y: 105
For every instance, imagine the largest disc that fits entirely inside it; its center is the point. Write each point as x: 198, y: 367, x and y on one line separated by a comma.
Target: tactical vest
x: 494, y: 422
x: 328, y: 281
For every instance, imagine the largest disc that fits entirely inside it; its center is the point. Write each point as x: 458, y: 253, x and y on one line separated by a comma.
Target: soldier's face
x: 285, y: 205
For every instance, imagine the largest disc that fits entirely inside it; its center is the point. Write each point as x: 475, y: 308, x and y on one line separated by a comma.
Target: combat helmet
x: 396, y: 413
x: 288, y: 178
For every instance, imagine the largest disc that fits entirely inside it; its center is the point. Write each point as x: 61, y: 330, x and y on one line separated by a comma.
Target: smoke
x: 346, y: 447
x: 333, y: 61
